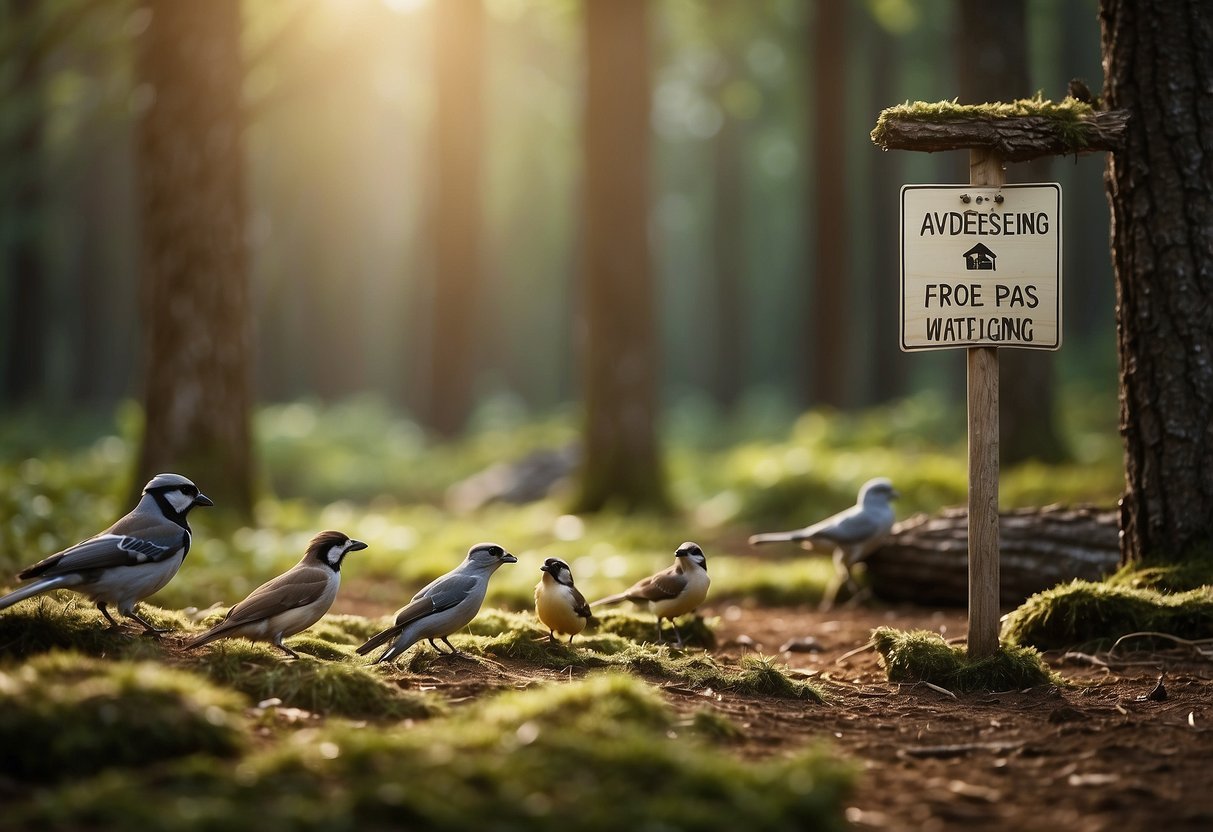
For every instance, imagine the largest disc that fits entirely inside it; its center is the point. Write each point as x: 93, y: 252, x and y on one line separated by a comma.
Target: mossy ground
x: 1094, y: 615
x: 923, y: 656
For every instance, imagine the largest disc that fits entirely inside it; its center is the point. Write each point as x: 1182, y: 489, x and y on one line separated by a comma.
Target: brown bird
x: 671, y: 592
x: 293, y: 601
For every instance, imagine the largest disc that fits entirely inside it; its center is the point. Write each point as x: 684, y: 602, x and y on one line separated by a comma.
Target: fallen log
x: 925, y: 559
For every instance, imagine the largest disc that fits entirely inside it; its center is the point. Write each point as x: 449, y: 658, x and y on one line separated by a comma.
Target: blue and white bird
x: 131, y: 560
x: 444, y: 606
x: 853, y: 534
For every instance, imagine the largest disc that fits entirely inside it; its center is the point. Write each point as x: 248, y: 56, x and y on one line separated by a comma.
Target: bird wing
x: 668, y: 583
x: 853, y: 526
x: 442, y: 594
x: 579, y: 603
x: 108, y: 550
x: 299, y: 587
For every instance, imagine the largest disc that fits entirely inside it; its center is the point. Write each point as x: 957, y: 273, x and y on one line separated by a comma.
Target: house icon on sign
x: 980, y: 258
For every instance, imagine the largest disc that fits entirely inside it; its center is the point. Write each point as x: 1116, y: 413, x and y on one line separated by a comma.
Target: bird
x: 560, y: 605
x: 131, y: 560
x: 853, y: 534
x: 674, y: 591
x: 444, y: 606
x: 293, y: 601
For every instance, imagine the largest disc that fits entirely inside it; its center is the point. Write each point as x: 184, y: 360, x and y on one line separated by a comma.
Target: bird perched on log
x: 852, y: 534
x: 444, y: 606
x: 560, y: 605
x: 674, y: 591
x: 293, y: 601
x: 131, y: 560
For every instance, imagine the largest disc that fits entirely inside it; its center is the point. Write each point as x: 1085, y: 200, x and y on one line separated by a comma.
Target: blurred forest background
x: 414, y: 176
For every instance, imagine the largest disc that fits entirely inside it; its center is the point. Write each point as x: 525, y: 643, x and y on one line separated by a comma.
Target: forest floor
x: 1095, y: 754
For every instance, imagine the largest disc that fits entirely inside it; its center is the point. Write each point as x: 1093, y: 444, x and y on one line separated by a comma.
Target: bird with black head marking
x: 558, y: 603
x: 293, y: 601
x: 674, y: 591
x: 444, y: 606
x: 130, y: 561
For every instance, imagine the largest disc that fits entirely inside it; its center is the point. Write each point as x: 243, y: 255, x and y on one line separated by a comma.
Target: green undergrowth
x: 605, y: 751
x: 923, y: 656
x: 1093, y: 615
x: 66, y: 621
x: 64, y: 715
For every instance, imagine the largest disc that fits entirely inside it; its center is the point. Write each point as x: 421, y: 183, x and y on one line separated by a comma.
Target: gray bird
x: 852, y: 534
x: 560, y: 605
x: 674, y: 591
x: 444, y: 606
x: 131, y: 560
x: 293, y: 601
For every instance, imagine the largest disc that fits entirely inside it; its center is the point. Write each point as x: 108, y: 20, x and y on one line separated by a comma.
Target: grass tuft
x: 643, y: 628
x: 1083, y: 613
x: 64, y: 715
x: 334, y: 688
x: 66, y: 621
x: 923, y: 656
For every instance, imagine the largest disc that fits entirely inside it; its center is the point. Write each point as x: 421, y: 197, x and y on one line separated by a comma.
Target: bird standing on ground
x: 671, y: 592
x: 131, y: 560
x: 560, y: 605
x: 852, y: 534
x: 293, y: 601
x: 444, y: 606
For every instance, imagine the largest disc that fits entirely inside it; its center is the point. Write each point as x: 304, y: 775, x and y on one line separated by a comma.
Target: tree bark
x: 455, y: 218
x: 193, y: 207
x: 1159, y: 60
x: 827, y: 351
x: 622, y: 465
x: 925, y: 559
x: 1016, y: 138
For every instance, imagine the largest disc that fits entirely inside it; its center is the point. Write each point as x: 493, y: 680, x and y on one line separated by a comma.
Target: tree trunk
x: 24, y: 347
x: 992, y: 48
x: 827, y: 350
x: 455, y: 216
x: 728, y: 244
x: 1159, y: 60
x: 926, y: 558
x: 192, y: 203
x: 622, y: 465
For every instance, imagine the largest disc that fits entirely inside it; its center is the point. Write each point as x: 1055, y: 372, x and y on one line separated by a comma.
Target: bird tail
x: 37, y: 587
x: 610, y: 599
x: 776, y: 537
x: 378, y: 639
x: 206, y: 638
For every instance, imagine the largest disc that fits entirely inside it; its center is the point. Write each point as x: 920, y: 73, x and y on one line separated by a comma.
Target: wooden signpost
x: 958, y: 290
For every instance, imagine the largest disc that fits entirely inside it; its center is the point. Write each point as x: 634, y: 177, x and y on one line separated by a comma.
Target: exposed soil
x: 1095, y: 755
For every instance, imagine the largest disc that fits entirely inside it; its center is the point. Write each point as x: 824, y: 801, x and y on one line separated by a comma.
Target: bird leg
x: 571, y: 639
x: 148, y: 629
x: 454, y: 649
x: 286, y: 649
x: 660, y: 638
x: 677, y: 634
x: 108, y: 617
x: 437, y: 649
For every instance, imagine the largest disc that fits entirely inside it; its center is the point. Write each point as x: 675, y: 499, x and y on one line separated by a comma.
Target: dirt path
x: 1094, y: 756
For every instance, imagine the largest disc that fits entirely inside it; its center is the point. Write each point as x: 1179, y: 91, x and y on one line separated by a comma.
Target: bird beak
x: 203, y: 500
x: 544, y: 568
x: 355, y: 546
x: 508, y: 558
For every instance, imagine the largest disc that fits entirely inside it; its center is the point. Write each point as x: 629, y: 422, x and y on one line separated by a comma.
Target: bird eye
x: 496, y: 551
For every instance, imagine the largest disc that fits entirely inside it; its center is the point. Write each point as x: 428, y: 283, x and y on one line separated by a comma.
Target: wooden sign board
x: 980, y: 266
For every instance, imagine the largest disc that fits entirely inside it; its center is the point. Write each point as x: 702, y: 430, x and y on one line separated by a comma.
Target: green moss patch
x: 605, y: 751
x: 1096, y: 614
x: 66, y: 621
x: 923, y: 656
x: 643, y: 628
x: 334, y: 688
x: 65, y: 715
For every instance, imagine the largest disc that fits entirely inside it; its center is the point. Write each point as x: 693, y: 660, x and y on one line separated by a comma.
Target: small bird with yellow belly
x: 560, y: 605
